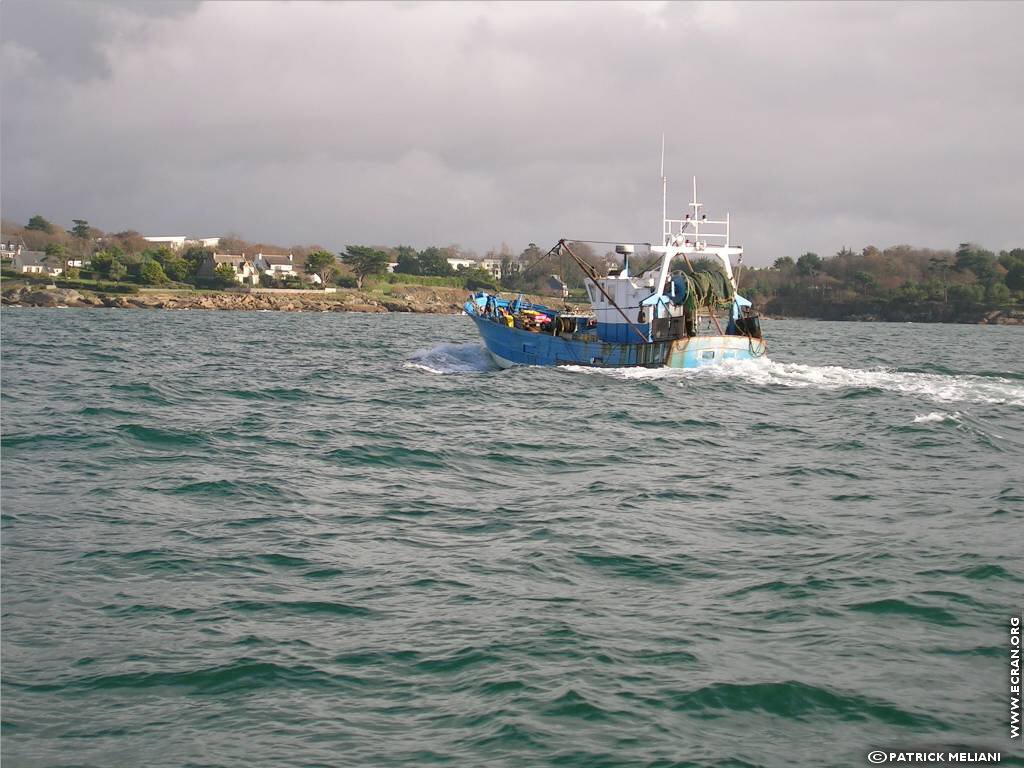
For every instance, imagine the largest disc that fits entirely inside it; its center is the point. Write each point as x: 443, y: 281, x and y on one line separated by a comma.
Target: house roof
x: 13, y: 240
x: 229, y: 258
x: 555, y: 282
x: 32, y: 258
x: 277, y: 258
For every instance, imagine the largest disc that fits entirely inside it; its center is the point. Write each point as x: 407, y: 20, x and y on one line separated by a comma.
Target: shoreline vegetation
x: 401, y: 298
x: 398, y: 298
x: 86, y: 267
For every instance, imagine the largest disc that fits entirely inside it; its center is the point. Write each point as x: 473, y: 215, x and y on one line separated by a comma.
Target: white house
x: 175, y: 242
x: 180, y: 242
x: 493, y: 266
x: 277, y: 264
x: 558, y: 287
x: 11, y: 246
x: 35, y: 263
x: 462, y: 263
x: 245, y: 272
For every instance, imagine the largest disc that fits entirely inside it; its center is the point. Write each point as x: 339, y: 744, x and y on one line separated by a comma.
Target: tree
x: 174, y: 266
x: 408, y: 261
x: 81, y: 229
x: 865, y: 282
x: 808, y: 264
x: 783, y: 264
x: 966, y: 294
x: 1015, y: 276
x: 531, y: 253
x: 364, y: 260
x: 177, y: 269
x: 1013, y: 263
x: 101, y: 262
x: 940, y: 266
x: 997, y: 293
x: 56, y: 253
x: 476, y: 278
x: 323, y: 265
x: 433, y: 261
x: 151, y: 273
x: 117, y: 270
x: 40, y: 224
x: 194, y: 258
x: 980, y: 262
x: 224, y: 276
x: 128, y: 241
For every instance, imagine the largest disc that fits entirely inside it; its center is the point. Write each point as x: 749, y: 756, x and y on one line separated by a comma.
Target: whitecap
x: 766, y: 372
x: 936, y: 416
x: 452, y: 358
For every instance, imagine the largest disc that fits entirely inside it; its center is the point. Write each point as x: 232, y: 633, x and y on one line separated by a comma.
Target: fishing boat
x: 657, y: 317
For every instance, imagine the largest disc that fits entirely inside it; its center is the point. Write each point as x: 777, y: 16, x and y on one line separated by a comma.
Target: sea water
x: 341, y: 539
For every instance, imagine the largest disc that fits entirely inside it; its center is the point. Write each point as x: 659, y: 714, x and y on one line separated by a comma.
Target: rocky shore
x: 415, y: 299
x: 400, y: 298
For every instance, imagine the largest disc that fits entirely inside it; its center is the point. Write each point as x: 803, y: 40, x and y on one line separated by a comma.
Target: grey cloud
x: 815, y: 125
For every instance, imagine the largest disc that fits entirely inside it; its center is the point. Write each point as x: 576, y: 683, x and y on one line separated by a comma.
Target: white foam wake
x: 937, y: 416
x: 765, y: 372
x: 452, y: 358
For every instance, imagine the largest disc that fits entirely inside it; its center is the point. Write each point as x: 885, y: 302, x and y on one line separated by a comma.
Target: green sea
x: 305, y: 539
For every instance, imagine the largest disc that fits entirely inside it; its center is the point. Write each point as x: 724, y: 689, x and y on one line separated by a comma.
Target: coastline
x: 399, y: 298
x: 417, y: 299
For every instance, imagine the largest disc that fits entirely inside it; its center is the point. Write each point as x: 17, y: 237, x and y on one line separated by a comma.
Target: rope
x: 605, y: 242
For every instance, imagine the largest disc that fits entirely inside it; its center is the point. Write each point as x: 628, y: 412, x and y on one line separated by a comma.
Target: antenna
x: 664, y: 195
x: 696, y: 213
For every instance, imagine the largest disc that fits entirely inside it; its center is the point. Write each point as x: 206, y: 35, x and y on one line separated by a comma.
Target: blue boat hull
x: 512, y: 346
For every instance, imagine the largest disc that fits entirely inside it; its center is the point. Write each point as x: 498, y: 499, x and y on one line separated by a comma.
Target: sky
x: 815, y: 125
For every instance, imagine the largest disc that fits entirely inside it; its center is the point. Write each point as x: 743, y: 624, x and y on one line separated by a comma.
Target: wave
x: 794, y: 699
x: 453, y: 358
x: 937, y: 417
x: 166, y: 438
x: 244, y: 674
x: 765, y: 372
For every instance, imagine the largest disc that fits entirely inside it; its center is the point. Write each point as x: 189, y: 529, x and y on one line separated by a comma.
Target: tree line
x: 128, y: 256
x: 899, y: 283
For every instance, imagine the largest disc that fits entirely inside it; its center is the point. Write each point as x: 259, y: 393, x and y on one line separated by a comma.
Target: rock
x: 41, y: 299
x: 394, y: 305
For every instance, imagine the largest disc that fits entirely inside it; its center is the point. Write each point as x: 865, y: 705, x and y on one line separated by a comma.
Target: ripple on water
x: 294, y: 537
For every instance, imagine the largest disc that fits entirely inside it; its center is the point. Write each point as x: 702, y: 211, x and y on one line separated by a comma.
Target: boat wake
x: 937, y: 417
x: 452, y: 358
x: 937, y: 388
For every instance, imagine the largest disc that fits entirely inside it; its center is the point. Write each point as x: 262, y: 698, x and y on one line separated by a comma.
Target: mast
x: 664, y: 194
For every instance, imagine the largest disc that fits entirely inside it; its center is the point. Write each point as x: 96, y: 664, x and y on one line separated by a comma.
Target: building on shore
x: 277, y: 264
x: 458, y: 264
x: 36, y: 263
x: 11, y: 246
x: 245, y: 271
x: 180, y: 242
x: 174, y: 242
x: 558, y: 287
x: 493, y: 266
